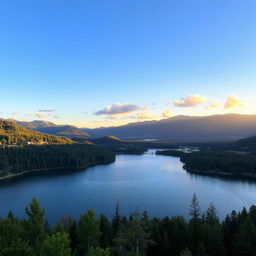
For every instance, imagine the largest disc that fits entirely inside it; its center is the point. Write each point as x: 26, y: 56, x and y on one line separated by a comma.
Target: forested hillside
x: 228, y: 163
x: 74, y: 156
x: 135, y: 235
x: 12, y: 133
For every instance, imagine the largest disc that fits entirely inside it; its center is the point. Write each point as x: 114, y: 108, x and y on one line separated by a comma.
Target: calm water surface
x: 157, y: 184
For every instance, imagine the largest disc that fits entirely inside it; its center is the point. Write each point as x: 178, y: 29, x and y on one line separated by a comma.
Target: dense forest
x: 19, y: 159
x: 221, y: 163
x: 137, y: 235
x: 11, y: 133
x: 170, y: 152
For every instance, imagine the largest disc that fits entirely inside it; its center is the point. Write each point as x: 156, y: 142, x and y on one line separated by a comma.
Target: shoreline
x: 223, y: 174
x: 57, y: 169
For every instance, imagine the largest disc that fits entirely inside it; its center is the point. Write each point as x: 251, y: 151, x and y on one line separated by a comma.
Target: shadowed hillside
x: 186, y: 128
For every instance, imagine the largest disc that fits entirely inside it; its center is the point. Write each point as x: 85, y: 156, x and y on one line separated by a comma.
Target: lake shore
x: 222, y: 174
x: 48, y: 170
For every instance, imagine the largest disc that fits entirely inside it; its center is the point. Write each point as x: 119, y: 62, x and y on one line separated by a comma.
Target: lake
x: 157, y: 184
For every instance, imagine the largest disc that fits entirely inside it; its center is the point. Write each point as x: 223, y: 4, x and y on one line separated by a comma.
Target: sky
x: 95, y: 63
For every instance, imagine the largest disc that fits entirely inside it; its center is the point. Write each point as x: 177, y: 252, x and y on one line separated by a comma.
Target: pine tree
x: 116, y: 220
x: 88, y: 231
x: 35, y: 224
x: 56, y: 244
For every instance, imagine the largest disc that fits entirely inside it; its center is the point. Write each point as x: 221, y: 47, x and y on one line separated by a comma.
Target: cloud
x: 16, y: 113
x: 233, y: 102
x: 167, y: 102
x: 167, y: 113
x: 213, y: 106
x: 146, y: 115
x: 118, y: 108
x: 190, y: 101
x: 41, y: 115
x: 47, y: 110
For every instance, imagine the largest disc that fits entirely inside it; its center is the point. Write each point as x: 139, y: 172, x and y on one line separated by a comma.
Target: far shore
x: 48, y: 170
x: 222, y: 173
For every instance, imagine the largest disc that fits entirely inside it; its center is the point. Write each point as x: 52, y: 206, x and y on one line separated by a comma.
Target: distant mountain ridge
x: 226, y: 127
x: 186, y: 128
x: 12, y: 133
x: 52, y: 128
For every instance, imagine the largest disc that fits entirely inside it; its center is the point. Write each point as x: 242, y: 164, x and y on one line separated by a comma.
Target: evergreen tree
x: 35, y: 224
x: 88, y: 231
x: 98, y: 252
x: 57, y: 244
x: 116, y: 220
x: 244, y: 242
x: 11, y: 242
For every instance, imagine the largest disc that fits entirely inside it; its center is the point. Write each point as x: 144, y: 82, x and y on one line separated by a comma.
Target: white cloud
x: 190, y: 101
x: 118, y: 108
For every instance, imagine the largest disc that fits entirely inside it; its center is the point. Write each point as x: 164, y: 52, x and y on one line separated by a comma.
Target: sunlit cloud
x: 118, y: 108
x: 42, y: 115
x: 167, y: 113
x: 190, y: 101
x: 30, y: 114
x: 233, y: 102
x: 212, y: 106
x: 146, y: 115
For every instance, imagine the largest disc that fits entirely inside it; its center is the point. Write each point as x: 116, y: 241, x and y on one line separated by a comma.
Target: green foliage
x: 57, y: 244
x: 186, y: 252
x: 98, y: 252
x: 170, y: 152
x: 133, y: 236
x: 88, y: 231
x: 75, y: 156
x: 11, y: 241
x: 202, y: 235
x: 35, y: 224
x: 220, y: 163
x: 12, y: 133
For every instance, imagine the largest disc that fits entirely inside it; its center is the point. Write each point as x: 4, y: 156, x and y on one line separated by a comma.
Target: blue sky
x: 95, y: 63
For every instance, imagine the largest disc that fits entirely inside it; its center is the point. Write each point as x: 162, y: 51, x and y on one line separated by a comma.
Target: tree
x: 106, y: 231
x: 133, y: 236
x: 11, y: 242
x: 195, y: 209
x: 98, y: 252
x: 116, y: 220
x: 244, y: 242
x: 35, y: 224
x: 211, y: 216
x: 186, y: 252
x: 56, y: 245
x: 88, y: 231
x: 195, y: 224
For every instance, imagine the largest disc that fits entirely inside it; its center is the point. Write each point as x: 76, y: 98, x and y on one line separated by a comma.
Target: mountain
x: 11, y: 132
x: 51, y: 128
x: 186, y: 128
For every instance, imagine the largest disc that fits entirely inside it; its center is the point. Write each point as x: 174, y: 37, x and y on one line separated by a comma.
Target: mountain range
x: 179, y: 128
x: 186, y: 128
x: 52, y: 128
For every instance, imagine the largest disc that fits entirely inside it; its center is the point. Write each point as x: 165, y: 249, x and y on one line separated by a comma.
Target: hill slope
x: 51, y: 128
x: 13, y: 133
x: 186, y: 128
